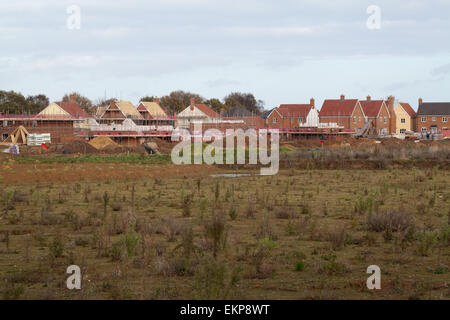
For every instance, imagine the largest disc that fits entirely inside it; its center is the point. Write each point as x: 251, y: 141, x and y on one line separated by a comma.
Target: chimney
x: 368, y: 98
x: 312, y: 102
x: 156, y: 99
x: 420, y: 101
x: 342, y: 97
x: 72, y: 99
x: 192, y: 101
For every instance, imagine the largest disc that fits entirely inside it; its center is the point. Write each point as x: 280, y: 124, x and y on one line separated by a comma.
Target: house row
x: 66, y: 120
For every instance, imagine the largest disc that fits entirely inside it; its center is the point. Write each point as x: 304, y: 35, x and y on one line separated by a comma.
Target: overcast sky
x: 282, y: 51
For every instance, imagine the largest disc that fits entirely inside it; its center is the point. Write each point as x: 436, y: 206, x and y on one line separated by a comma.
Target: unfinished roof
x: 294, y: 110
x: 338, y: 107
x: 207, y: 110
x: 408, y: 109
x: 434, y: 109
x: 128, y: 109
x: 371, y: 108
x: 153, y: 108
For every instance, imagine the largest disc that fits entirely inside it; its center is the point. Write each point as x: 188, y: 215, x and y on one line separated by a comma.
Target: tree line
x: 12, y: 102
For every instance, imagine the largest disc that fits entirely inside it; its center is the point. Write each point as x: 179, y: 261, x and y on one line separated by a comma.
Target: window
x: 424, y: 129
x: 300, y: 120
x: 34, y: 123
x: 424, y: 119
x: 359, y: 119
x: 433, y: 119
x: 5, y: 123
x: 444, y: 119
x: 403, y: 120
x: 354, y: 119
x: 402, y: 131
x: 275, y: 120
x: 385, y: 120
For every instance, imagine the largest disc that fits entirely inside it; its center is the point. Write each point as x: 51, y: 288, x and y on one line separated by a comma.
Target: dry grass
x: 298, y: 235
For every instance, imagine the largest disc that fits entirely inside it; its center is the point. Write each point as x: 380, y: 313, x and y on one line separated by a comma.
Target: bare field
x: 164, y: 232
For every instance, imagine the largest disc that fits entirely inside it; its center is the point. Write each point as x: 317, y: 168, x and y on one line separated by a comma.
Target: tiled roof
x: 73, y: 109
x: 294, y: 110
x: 371, y: 108
x: 408, y: 109
x: 434, y: 109
x: 207, y: 110
x: 338, y: 107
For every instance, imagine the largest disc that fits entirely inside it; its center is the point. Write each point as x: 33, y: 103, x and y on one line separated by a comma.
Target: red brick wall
x: 429, y: 122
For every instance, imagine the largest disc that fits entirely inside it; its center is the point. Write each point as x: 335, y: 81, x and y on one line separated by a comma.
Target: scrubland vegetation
x: 302, y: 234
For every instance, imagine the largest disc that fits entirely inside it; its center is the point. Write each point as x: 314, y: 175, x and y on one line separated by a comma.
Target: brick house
x: 377, y: 112
x: 347, y: 113
x: 433, y: 117
x: 292, y: 116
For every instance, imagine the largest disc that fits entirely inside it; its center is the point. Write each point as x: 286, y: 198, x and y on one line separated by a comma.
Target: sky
x: 282, y: 51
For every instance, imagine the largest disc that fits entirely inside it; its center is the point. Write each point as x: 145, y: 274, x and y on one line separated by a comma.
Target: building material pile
x: 37, y: 139
x: 17, y: 137
x: 101, y: 143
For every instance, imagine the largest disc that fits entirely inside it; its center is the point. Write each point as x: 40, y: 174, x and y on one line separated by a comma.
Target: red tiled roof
x: 207, y: 110
x: 73, y: 109
x: 408, y: 109
x: 338, y: 107
x: 294, y: 110
x: 371, y: 108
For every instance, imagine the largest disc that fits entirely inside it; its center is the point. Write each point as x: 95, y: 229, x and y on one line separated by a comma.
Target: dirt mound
x: 101, y: 143
x: 79, y: 146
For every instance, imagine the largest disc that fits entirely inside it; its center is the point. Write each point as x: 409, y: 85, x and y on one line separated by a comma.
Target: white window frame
x: 423, y: 119
x: 433, y: 119
x: 424, y: 129
x: 275, y: 120
x: 444, y: 119
x: 403, y: 120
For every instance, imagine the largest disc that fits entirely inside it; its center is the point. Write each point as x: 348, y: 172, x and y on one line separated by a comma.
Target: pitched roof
x: 73, y: 109
x: 338, y: 107
x: 236, y: 112
x: 207, y: 110
x: 294, y: 110
x: 128, y: 109
x: 434, y: 109
x: 371, y: 108
x: 267, y: 113
x: 152, y: 107
x: 408, y: 109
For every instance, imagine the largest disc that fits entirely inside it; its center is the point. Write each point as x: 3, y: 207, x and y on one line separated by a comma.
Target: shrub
x: 56, y: 247
x: 395, y: 221
x: 215, y: 232
x: 299, y: 266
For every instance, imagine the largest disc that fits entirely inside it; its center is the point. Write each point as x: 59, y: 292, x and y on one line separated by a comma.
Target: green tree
x: 178, y: 100
x: 245, y: 100
x: 216, y: 105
